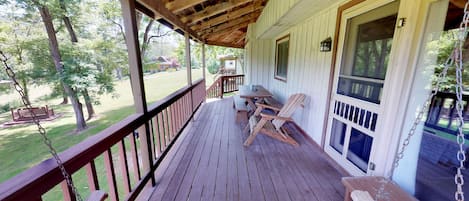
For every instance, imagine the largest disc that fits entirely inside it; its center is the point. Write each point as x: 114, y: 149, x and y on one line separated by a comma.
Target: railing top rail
x: 237, y: 75
x: 160, y: 105
x: 44, y: 176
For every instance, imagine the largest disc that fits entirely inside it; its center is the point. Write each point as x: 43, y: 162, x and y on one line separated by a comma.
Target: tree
x: 74, y: 39
x: 441, y: 49
x: 55, y: 53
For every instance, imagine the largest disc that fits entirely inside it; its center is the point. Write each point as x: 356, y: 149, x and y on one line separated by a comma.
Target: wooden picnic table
x: 252, y: 92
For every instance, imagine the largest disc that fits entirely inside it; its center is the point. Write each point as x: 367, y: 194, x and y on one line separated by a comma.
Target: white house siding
x: 308, y: 69
x: 272, y: 12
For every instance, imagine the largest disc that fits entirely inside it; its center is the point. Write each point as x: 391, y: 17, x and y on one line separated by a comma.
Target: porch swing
x: 97, y: 195
x: 384, y: 187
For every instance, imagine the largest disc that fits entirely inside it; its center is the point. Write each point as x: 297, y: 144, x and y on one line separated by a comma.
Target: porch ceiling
x: 214, y: 22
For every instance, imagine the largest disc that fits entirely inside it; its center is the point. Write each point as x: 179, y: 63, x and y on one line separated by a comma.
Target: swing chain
x: 461, y: 155
x: 454, y: 59
x: 40, y: 129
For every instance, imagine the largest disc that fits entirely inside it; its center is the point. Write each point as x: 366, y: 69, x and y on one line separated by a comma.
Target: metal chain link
x: 454, y: 59
x: 461, y: 155
x: 40, y: 129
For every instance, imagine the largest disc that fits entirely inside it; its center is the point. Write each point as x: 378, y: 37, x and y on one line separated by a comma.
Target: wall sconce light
x: 326, y: 45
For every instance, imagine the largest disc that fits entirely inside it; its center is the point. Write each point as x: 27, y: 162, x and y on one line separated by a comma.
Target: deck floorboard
x: 209, y: 162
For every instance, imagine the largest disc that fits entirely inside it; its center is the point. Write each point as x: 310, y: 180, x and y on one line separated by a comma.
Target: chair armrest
x: 267, y: 106
x: 271, y: 117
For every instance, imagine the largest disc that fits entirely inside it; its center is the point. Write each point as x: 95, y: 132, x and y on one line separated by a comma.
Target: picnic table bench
x: 241, y: 109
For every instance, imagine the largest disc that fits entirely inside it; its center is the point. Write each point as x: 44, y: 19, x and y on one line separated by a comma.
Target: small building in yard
x: 366, y: 68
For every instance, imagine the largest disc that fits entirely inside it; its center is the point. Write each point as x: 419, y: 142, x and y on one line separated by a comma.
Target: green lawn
x: 21, y: 146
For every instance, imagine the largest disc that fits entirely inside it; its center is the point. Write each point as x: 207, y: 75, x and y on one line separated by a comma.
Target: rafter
x: 212, y: 10
x: 229, y: 16
x: 241, y: 39
x: 226, y: 30
x: 158, y: 8
x: 247, y: 18
x: 224, y: 44
x: 179, y: 5
x: 229, y: 37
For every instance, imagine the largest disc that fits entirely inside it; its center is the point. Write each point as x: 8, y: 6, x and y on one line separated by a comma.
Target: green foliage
x: 83, y: 72
x: 213, y: 66
x: 212, y: 54
x: 441, y: 50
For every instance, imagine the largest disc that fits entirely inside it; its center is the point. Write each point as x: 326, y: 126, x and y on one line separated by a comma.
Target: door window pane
x: 338, y: 135
x: 359, y: 149
x: 366, y: 54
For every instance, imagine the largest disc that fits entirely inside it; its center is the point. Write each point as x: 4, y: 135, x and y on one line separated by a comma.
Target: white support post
x: 203, y: 60
x: 188, y: 60
x: 189, y: 68
x: 136, y: 80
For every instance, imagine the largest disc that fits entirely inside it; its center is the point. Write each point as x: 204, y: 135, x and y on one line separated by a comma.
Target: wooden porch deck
x: 209, y: 162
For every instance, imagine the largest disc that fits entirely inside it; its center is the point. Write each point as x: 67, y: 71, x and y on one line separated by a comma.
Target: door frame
x: 341, y: 158
x: 396, y: 100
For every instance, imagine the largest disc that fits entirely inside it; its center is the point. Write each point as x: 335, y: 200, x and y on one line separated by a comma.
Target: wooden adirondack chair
x: 271, y: 125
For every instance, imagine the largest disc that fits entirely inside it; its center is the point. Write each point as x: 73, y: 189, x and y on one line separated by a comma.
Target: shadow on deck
x: 209, y: 162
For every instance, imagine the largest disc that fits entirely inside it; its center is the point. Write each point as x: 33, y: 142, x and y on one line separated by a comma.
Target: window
x: 366, y: 57
x: 281, y: 58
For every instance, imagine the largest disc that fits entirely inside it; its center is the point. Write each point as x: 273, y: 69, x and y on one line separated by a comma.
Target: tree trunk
x: 64, y: 95
x: 24, y: 84
x: 74, y: 39
x: 89, y: 106
x: 68, y: 24
x: 145, y: 40
x: 54, y: 49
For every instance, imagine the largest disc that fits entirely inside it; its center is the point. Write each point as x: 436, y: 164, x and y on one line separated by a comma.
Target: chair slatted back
x: 287, y: 110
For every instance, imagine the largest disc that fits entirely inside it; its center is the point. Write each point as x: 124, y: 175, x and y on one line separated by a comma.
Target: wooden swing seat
x: 371, y: 185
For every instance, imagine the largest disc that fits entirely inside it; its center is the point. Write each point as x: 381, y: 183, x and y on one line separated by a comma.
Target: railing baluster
x: 176, y: 115
x: 152, y: 137
x: 186, y: 103
x: 166, y: 128
x: 67, y: 192
x: 162, y: 132
x: 156, y: 124
x: 93, y: 183
x: 124, y: 167
x: 111, y: 175
x: 135, y: 162
x: 173, y: 123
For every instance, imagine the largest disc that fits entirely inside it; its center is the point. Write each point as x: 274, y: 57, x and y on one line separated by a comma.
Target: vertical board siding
x: 272, y: 12
x: 308, y: 69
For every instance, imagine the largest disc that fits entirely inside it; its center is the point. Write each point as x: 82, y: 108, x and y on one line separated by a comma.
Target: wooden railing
x: 121, y: 147
x: 224, y: 84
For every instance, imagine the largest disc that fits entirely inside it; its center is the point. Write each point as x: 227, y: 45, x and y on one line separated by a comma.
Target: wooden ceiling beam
x: 212, y: 10
x: 159, y: 9
x: 229, y: 16
x: 180, y: 5
x: 241, y: 39
x: 225, y: 44
x: 227, y: 30
x: 228, y: 38
x: 247, y: 18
